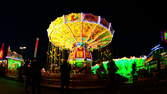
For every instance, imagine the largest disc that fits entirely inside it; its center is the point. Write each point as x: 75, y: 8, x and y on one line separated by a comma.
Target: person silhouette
x: 36, y: 76
x: 112, y: 69
x: 26, y: 74
x: 134, y: 77
x: 65, y: 69
x: 2, y: 70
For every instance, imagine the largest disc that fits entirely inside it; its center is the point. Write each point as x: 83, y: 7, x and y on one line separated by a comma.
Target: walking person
x: 2, y: 70
x: 112, y: 69
x: 86, y: 69
x: 65, y: 69
x: 20, y: 72
x: 36, y: 76
x: 134, y: 76
x: 26, y: 75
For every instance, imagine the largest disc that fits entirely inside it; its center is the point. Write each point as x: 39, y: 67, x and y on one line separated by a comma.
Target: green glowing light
x: 105, y: 66
x: 13, y: 64
x: 125, y: 66
x: 94, y: 68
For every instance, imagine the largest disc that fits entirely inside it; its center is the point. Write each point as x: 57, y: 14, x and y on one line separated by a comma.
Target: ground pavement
x: 8, y: 86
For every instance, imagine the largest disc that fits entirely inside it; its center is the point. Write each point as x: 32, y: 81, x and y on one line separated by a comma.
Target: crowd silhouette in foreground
x: 31, y: 73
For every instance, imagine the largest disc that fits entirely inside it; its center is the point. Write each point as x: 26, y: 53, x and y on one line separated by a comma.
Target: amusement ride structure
x: 80, y: 33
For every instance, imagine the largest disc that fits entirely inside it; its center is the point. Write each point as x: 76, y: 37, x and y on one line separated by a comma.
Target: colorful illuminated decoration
x: 13, y: 64
x: 124, y: 66
x: 164, y: 36
x: 54, y: 58
x: 3, y: 62
x: 14, y: 60
x: 157, y: 54
x: 80, y: 33
x: 2, y: 51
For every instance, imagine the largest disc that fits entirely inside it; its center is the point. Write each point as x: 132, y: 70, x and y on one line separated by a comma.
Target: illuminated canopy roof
x: 68, y: 30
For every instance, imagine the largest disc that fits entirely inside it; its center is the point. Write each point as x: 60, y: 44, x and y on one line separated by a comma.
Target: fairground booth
x: 14, y: 62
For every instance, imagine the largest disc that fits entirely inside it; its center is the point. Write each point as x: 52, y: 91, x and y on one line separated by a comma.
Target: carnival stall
x: 14, y: 62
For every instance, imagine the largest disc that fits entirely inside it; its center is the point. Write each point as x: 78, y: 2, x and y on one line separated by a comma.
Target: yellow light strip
x: 70, y: 31
x: 97, y: 36
x: 81, y: 27
x: 91, y: 32
x: 99, y: 40
x: 100, y: 43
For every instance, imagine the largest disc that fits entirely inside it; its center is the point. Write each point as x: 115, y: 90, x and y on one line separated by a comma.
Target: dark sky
x: 137, y: 24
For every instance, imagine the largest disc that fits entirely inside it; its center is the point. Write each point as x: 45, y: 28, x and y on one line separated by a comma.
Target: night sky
x: 137, y: 24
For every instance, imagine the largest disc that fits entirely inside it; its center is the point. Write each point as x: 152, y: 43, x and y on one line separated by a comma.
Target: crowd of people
x: 30, y: 74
